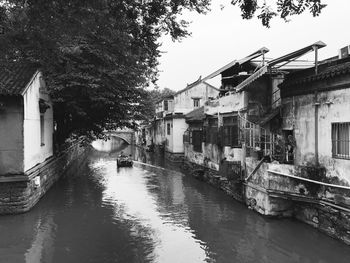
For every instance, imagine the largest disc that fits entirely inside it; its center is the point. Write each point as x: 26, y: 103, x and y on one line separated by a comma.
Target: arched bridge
x: 125, y: 134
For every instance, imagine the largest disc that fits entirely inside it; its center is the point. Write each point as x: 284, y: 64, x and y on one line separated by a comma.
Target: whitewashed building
x: 26, y: 120
x: 170, y: 124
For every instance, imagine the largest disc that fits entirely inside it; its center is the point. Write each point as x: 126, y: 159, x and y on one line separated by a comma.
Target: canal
x: 152, y: 213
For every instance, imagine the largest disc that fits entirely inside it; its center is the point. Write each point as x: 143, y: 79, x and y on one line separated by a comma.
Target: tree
x: 282, y: 8
x: 97, y: 55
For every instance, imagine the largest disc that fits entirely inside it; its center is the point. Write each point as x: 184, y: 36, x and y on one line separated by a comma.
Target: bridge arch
x: 126, y: 136
x: 120, y: 137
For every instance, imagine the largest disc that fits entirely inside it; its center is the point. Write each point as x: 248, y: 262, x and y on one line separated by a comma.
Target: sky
x: 222, y: 36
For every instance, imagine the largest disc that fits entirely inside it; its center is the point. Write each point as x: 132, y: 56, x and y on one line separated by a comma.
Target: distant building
x: 157, y: 129
x: 26, y: 120
x: 170, y: 124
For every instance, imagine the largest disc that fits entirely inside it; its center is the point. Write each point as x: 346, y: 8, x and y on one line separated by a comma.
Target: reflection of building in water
x: 42, y: 247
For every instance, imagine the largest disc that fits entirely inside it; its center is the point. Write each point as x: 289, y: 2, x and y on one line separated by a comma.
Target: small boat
x: 124, y: 161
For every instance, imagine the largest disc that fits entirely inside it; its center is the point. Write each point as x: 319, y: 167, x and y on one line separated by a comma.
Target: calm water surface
x: 152, y: 213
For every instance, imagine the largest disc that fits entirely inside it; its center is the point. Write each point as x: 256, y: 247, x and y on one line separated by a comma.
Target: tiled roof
x: 196, y: 115
x: 193, y: 84
x: 14, y: 79
x: 165, y: 98
x: 325, y: 71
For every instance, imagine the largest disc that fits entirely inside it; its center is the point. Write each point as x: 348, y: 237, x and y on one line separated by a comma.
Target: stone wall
x: 20, y: 193
x: 231, y: 186
x: 174, y: 157
x: 271, y: 194
x: 333, y: 222
x: 325, y: 208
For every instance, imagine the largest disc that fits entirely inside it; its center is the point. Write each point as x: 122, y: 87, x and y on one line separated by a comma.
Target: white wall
x: 184, y: 100
x: 301, y: 116
x: 169, y: 137
x: 11, y: 135
x: 34, y: 152
x: 179, y: 128
x: 230, y: 103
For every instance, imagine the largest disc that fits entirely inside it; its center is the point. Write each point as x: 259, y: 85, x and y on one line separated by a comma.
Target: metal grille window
x: 256, y: 138
x: 340, y: 140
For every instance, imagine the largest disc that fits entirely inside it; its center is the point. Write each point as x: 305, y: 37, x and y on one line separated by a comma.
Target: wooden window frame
x: 196, y: 140
x: 168, y: 129
x: 196, y: 103
x: 230, y: 132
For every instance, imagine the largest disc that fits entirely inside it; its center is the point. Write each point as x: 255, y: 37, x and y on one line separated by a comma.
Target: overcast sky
x: 222, y: 36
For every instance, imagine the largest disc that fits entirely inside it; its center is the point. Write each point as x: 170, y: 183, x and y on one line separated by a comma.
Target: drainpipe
x: 316, y: 128
x: 316, y: 103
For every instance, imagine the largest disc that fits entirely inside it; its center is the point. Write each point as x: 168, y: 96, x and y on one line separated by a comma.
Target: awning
x: 269, y: 116
x: 286, y: 59
x: 256, y: 54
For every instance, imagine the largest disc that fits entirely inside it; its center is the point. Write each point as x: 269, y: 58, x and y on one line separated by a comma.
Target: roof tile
x: 196, y: 115
x: 14, y: 78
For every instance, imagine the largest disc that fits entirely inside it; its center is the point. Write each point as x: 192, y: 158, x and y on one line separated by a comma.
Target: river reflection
x: 152, y: 213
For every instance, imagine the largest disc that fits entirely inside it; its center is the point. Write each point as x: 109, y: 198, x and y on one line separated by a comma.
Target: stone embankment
x: 274, y: 195
x: 20, y: 193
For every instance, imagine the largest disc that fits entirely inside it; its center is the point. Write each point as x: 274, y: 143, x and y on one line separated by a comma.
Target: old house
x: 157, y: 129
x: 314, y: 185
x: 27, y: 165
x: 171, y: 124
x: 26, y: 120
x: 315, y: 114
x: 244, y: 124
x: 283, y: 151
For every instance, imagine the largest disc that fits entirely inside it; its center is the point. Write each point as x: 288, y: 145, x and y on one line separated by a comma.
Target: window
x: 186, y: 136
x: 168, y: 128
x: 166, y: 105
x: 340, y: 140
x: 196, y: 103
x: 230, y: 132
x: 42, y: 130
x: 211, y: 131
x: 197, y: 140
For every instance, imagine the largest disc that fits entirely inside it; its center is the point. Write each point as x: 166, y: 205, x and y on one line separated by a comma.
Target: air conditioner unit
x: 344, y: 52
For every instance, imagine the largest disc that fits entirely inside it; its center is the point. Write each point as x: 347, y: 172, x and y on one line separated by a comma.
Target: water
x: 150, y: 213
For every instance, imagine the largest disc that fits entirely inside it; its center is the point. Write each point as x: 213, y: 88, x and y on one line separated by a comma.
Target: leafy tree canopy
x: 267, y: 9
x: 99, y: 55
